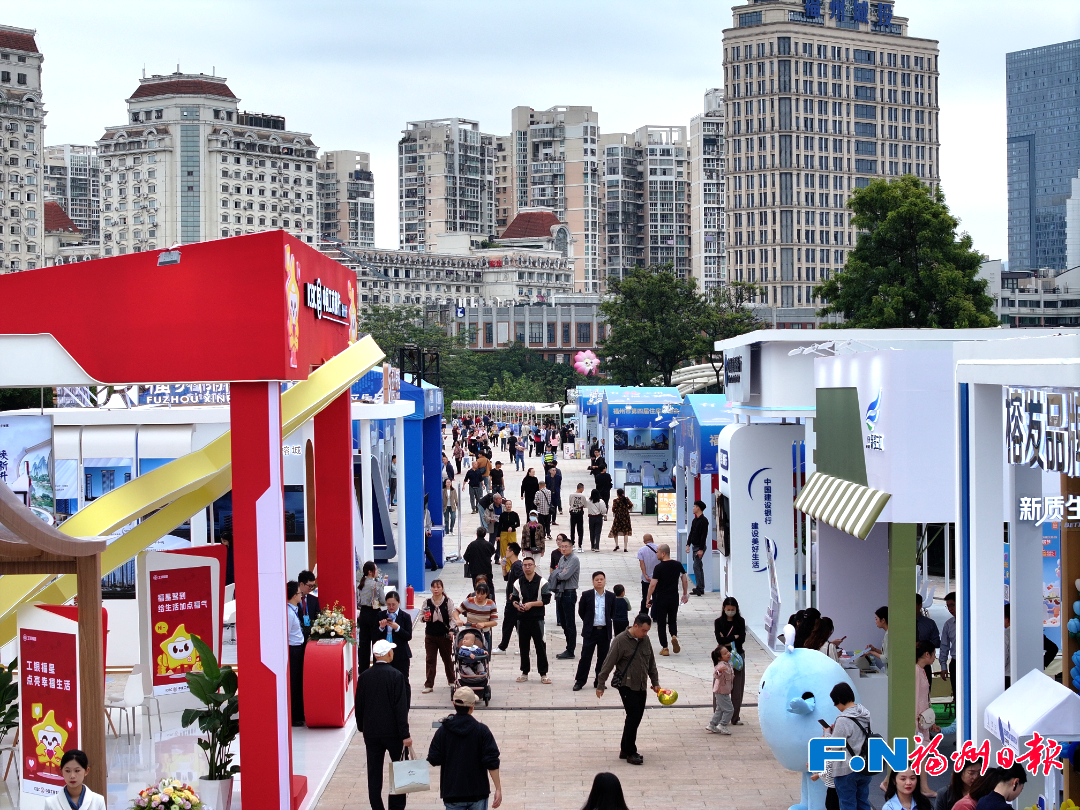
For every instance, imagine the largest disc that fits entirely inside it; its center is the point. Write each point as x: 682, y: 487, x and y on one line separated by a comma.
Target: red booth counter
x: 329, y: 681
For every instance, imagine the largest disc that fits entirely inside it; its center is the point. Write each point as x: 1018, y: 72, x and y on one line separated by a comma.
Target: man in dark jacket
x: 466, y: 753
x: 696, y: 543
x: 478, y: 555
x: 382, y: 715
x: 308, y: 609
x: 596, y: 609
x: 631, y: 655
x: 515, y: 572
x: 603, y: 483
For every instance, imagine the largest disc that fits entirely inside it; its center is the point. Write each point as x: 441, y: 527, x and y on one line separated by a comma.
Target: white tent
x: 1036, y: 702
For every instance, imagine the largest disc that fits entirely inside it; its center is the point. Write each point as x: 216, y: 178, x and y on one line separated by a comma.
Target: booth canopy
x: 590, y: 398
x: 701, y: 419
x: 1036, y: 702
x: 852, y: 508
x: 639, y: 407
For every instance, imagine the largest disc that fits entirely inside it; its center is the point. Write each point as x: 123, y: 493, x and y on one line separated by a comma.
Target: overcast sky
x: 352, y: 72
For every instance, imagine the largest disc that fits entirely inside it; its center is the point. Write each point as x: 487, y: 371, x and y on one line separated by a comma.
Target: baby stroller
x: 472, y: 663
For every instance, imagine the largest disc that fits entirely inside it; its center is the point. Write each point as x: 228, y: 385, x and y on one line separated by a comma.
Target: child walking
x: 722, y: 680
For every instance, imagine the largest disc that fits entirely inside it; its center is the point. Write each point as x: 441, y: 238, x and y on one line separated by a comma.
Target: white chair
x: 10, y: 743
x: 135, y: 696
x: 228, y: 611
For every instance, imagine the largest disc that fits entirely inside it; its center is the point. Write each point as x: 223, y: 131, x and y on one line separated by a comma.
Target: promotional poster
x: 26, y: 461
x: 48, y: 706
x: 181, y: 605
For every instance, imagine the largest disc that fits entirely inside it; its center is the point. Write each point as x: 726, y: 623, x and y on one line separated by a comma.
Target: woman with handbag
x: 730, y: 630
x: 596, y: 509
x: 437, y: 615
x: 620, y: 525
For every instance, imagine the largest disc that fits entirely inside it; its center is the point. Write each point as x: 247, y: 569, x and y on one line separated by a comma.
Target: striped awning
x: 852, y: 508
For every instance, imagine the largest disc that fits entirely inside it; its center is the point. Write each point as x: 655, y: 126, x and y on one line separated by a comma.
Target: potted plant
x: 219, y: 722
x: 9, y: 700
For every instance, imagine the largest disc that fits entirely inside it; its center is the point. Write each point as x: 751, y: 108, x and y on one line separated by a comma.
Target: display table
x: 329, y: 680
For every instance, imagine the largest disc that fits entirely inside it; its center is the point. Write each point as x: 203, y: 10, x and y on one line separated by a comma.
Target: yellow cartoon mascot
x: 51, y: 738
x: 178, y: 654
x: 292, y: 298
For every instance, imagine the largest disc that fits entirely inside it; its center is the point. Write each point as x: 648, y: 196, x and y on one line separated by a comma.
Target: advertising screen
x: 665, y: 507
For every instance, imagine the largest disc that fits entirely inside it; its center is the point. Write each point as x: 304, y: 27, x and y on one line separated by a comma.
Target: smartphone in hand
x: 823, y: 724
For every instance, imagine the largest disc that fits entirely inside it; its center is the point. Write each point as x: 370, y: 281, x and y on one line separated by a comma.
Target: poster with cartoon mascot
x: 48, y: 705
x: 181, y: 604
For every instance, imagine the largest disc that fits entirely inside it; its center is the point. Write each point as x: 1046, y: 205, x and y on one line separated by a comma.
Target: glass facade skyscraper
x: 1043, y: 98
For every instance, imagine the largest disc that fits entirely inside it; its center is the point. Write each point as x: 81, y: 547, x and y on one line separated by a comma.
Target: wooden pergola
x: 28, y: 545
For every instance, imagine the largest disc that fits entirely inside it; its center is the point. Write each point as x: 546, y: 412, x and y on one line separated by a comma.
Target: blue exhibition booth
x: 636, y: 425
x: 419, y: 473
x: 699, y: 463
x: 590, y: 399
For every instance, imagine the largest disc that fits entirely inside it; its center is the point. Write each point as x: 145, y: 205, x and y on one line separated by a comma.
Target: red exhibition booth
x: 255, y: 312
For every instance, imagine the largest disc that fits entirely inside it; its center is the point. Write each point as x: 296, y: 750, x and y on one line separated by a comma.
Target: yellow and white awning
x: 852, y: 508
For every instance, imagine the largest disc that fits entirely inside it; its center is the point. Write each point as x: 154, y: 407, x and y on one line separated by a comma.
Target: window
x: 584, y: 330
x: 20, y: 78
x: 5, y: 75
x: 489, y: 336
x: 865, y: 75
x: 566, y: 334
x: 862, y: 56
x: 752, y: 18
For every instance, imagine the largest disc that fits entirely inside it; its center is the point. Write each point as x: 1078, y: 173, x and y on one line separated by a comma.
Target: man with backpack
x: 853, y: 724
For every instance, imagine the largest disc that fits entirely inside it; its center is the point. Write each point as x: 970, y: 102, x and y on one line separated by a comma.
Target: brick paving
x: 553, y: 740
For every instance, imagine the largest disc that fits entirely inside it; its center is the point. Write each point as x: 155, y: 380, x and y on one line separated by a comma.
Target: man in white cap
x: 466, y: 752
x: 382, y: 714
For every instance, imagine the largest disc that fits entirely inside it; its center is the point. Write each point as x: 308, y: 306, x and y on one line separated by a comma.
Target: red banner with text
x: 181, y: 605
x: 49, y: 706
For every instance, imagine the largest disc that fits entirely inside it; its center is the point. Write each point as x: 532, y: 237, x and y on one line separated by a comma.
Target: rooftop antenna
x: 144, y: 70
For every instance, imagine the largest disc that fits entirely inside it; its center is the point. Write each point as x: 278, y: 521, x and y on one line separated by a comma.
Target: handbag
x: 409, y: 775
x: 468, y: 571
x: 736, y: 661
x: 617, y: 676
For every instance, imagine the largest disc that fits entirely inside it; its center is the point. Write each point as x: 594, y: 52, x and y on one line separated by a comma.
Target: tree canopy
x: 909, y: 267
x: 655, y: 324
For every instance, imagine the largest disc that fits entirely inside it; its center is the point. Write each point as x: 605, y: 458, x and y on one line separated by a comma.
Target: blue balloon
x: 1074, y: 626
x: 1076, y: 608
x: 1074, y: 673
x: 1076, y: 658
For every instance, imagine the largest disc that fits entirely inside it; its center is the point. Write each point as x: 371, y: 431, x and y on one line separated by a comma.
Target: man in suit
x: 308, y: 610
x: 596, y: 609
x: 395, y: 625
x: 382, y: 715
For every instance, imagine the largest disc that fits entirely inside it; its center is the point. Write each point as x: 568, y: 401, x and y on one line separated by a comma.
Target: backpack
x: 867, y: 734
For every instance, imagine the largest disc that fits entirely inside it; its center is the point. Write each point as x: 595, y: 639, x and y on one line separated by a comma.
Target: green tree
x: 14, y: 399
x: 909, y: 268
x: 727, y: 316
x: 656, y: 323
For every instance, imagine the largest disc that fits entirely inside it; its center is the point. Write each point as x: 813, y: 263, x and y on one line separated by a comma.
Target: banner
x: 48, y: 698
x: 26, y: 461
x: 195, y: 394
x: 772, y: 612
x: 666, y: 507
x: 180, y: 595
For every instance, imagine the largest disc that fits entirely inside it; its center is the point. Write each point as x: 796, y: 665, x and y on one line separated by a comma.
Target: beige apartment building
x: 22, y: 126
x: 505, y: 209
x: 345, y: 188
x: 446, y: 182
x: 555, y: 165
x: 706, y: 160
x: 820, y: 99
x: 73, y: 180
x: 190, y: 166
x: 646, y: 199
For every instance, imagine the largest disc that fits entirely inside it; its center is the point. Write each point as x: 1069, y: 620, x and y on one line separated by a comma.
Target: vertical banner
x: 772, y: 612
x: 181, y: 593
x: 48, y: 699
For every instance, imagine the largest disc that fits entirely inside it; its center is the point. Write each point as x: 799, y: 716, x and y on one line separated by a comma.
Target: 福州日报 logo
x: 873, y: 410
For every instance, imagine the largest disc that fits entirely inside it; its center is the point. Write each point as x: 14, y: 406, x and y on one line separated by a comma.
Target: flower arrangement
x: 332, y: 624
x: 168, y: 794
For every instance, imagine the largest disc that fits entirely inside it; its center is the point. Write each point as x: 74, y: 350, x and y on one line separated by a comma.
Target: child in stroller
x: 471, y: 661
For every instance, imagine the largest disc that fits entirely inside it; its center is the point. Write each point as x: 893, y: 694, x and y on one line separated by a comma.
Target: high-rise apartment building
x: 1043, y: 103
x: 346, y: 193
x: 706, y: 160
x: 555, y: 165
x: 820, y: 99
x: 190, y: 166
x: 22, y: 125
x: 446, y: 182
x: 504, y: 178
x: 73, y: 180
x: 646, y: 200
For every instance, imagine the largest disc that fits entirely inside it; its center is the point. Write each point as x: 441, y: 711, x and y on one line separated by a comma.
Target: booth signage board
x: 633, y: 492
x: 48, y: 699
x: 666, y: 509
x: 433, y: 402
x: 184, y: 394
x: 26, y: 461
x: 907, y: 445
x: 180, y: 595
x: 1042, y: 429
x: 737, y: 374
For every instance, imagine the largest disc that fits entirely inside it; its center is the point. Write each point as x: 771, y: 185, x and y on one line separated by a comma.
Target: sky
x: 353, y: 72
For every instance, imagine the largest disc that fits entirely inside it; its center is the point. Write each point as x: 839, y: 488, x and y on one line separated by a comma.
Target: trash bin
x: 650, y: 505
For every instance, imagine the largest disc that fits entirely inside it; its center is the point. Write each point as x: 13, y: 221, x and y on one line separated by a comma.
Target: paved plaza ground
x: 554, y: 740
